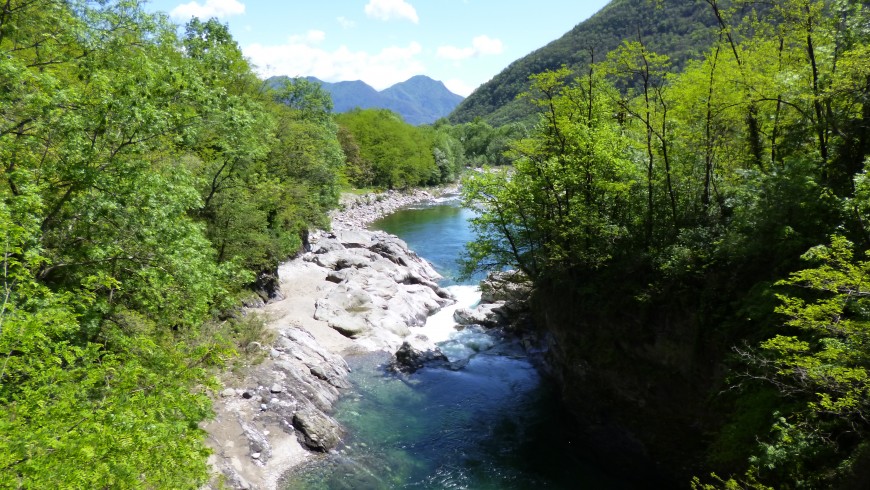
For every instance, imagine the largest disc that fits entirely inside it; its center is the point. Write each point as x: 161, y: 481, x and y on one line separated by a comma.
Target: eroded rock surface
x: 416, y: 353
x: 377, y: 288
x: 352, y: 290
x: 257, y: 424
x: 503, y: 302
x: 317, y: 430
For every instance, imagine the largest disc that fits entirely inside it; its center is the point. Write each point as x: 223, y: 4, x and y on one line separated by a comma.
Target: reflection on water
x: 437, y: 232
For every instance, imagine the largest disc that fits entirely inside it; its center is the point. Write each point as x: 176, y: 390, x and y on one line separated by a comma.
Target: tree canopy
x: 697, y: 190
x: 147, y: 178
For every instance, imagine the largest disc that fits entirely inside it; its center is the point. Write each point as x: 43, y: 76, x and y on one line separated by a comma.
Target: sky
x: 463, y: 43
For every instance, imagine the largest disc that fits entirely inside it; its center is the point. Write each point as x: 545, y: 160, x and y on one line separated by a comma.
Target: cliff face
x: 637, y: 380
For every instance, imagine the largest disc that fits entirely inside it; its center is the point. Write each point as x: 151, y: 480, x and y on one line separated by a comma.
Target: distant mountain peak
x: 419, y: 99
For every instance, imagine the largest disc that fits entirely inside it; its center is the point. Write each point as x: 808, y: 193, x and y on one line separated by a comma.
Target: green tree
x: 567, y: 202
x: 144, y: 180
x: 105, y: 274
x: 117, y: 410
x: 400, y: 155
x: 822, y: 364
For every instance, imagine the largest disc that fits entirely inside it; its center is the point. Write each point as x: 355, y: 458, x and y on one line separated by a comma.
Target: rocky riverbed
x: 356, y: 211
x: 355, y: 290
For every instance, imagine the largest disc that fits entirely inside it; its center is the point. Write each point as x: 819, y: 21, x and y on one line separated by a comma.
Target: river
x: 494, y: 424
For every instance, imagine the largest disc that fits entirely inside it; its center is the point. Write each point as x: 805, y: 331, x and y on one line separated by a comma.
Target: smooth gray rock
x: 325, y: 245
x: 257, y: 441
x: 488, y: 315
x: 342, y: 259
x: 511, y: 286
x: 316, y: 430
x: 354, y: 238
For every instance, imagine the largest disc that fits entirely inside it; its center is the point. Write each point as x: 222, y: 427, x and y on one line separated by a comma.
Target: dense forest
x: 148, y: 179
x: 150, y: 184
x: 699, y: 240
x: 680, y: 29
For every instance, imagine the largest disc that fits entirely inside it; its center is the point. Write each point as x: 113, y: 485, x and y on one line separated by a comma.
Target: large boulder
x: 488, y: 315
x: 382, y: 287
x: 316, y: 430
x: 510, y: 286
x: 413, y: 355
x: 337, y: 260
x: 325, y: 245
x: 344, y: 309
x: 354, y: 238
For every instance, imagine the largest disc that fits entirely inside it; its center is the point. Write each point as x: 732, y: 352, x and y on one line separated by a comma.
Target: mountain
x: 430, y: 98
x: 419, y: 100
x: 679, y: 28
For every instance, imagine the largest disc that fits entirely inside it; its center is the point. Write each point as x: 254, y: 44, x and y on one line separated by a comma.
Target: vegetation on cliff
x: 663, y: 214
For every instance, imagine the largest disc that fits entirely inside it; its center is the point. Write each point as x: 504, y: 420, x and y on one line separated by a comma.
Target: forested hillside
x: 698, y: 233
x: 385, y: 152
x: 418, y: 100
x: 680, y: 29
x: 147, y: 179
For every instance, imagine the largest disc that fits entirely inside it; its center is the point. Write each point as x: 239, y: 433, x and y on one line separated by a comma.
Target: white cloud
x: 480, y: 46
x: 391, y: 9
x: 485, y: 45
x: 313, y: 37
x: 459, y: 87
x: 387, y: 67
x: 211, y: 8
x: 345, y: 22
x: 454, y: 53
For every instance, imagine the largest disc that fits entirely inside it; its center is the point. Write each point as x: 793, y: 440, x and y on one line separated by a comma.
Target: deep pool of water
x: 438, y: 232
x: 494, y: 424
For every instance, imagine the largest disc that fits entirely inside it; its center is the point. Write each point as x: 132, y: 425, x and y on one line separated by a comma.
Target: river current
x: 494, y: 424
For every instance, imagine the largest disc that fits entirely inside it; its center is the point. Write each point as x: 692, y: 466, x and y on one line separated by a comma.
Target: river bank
x: 357, y: 211
x: 353, y: 291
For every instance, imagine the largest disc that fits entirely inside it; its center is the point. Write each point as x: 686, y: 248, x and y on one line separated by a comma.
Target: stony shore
x: 357, y: 211
x: 354, y: 291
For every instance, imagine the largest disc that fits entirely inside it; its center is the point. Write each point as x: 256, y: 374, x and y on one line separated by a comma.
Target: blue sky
x: 463, y: 43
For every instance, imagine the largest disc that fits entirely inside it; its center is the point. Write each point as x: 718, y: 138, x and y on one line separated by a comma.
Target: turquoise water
x: 437, y: 232
x: 494, y: 424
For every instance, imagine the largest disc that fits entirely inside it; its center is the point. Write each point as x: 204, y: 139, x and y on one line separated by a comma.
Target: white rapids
x: 442, y: 330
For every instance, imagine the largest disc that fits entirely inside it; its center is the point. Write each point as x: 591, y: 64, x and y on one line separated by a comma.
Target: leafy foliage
x: 825, y: 366
x: 392, y: 153
x: 146, y: 179
x: 667, y: 204
x: 563, y: 204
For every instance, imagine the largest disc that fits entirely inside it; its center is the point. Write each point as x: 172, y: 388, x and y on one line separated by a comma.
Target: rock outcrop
x: 264, y: 412
x: 416, y: 353
x: 352, y: 290
x: 375, y: 287
x: 504, y: 302
x: 317, y: 430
